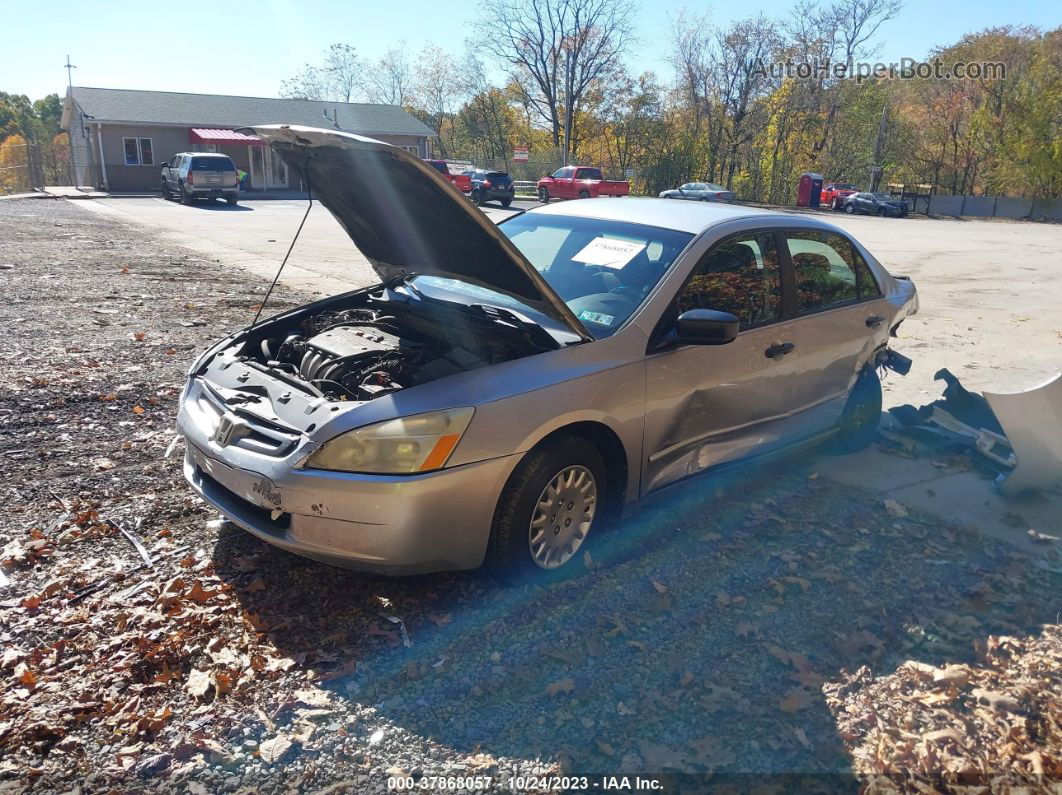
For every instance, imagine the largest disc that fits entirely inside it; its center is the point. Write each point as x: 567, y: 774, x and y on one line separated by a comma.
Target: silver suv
x: 200, y: 175
x: 508, y: 388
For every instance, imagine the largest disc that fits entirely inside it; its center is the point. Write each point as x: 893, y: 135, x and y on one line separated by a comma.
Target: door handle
x: 874, y: 321
x: 780, y: 349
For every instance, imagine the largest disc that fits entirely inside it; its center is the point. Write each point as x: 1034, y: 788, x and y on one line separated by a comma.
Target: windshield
x: 603, y: 270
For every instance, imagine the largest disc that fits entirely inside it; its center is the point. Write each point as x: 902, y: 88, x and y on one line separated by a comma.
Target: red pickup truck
x: 463, y: 182
x: 834, y: 192
x: 579, y: 182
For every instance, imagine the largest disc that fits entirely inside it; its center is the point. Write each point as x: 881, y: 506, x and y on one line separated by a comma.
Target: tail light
x: 486, y: 183
x: 188, y: 180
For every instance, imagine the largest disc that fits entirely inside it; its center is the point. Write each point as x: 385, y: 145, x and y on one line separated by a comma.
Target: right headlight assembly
x: 402, y: 446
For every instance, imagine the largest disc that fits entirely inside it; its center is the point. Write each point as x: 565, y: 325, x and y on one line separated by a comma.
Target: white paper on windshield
x: 608, y: 252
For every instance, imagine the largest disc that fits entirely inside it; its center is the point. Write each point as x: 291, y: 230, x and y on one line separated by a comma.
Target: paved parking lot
x: 989, y: 289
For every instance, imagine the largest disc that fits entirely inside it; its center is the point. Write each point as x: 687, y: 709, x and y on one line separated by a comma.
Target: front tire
x: 858, y: 425
x: 584, y: 194
x: 553, y: 501
x: 543, y: 195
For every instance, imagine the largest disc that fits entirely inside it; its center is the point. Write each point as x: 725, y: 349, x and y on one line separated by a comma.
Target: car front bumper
x: 388, y: 524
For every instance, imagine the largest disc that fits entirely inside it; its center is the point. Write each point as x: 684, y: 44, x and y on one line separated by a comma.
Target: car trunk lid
x: 406, y: 217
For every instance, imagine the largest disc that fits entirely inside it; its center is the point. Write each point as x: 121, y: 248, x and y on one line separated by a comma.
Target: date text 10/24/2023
x: 472, y: 784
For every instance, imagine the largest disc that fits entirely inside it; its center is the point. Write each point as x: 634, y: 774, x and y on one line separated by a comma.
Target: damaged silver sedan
x: 507, y: 389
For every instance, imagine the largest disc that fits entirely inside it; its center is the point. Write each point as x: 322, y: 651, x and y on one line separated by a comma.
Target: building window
x: 414, y: 149
x: 138, y: 152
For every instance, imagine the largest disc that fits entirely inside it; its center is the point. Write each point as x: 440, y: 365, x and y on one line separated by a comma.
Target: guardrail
x: 524, y: 186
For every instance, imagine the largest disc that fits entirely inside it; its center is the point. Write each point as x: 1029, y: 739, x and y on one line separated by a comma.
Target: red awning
x: 208, y: 136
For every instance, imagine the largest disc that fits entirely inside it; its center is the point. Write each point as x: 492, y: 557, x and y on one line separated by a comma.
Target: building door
x: 267, y: 169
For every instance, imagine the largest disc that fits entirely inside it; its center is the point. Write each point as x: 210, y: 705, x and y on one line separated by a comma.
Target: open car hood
x: 406, y: 218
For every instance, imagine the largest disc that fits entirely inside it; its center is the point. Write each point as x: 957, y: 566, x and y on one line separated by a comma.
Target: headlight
x: 419, y: 443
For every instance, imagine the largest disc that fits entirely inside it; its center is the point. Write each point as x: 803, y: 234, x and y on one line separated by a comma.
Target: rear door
x: 705, y: 404
x: 838, y: 322
x: 213, y: 172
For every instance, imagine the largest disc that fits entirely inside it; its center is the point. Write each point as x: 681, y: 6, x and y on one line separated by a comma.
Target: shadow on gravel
x: 698, y: 639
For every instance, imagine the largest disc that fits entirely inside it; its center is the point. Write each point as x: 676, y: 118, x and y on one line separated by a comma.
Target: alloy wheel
x: 562, y: 517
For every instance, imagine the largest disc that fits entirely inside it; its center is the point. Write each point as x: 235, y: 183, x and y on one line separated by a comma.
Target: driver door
x: 707, y: 404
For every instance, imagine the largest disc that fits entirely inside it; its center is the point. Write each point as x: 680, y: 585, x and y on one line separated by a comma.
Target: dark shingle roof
x: 217, y: 110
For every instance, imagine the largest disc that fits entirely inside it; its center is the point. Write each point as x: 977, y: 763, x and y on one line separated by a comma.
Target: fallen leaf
x: 895, y: 508
x: 660, y: 587
x: 562, y: 686
x: 273, y: 750
x: 138, y: 409
x: 198, y: 684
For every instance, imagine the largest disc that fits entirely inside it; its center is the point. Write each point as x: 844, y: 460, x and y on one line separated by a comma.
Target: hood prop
x: 309, y: 206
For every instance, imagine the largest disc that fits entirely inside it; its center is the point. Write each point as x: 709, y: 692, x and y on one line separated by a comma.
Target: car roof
x: 205, y: 154
x: 692, y: 217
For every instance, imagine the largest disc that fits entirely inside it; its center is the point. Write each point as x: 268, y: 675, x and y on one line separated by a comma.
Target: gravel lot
x: 751, y: 624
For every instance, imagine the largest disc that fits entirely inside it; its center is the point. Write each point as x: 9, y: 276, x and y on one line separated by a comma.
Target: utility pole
x: 879, y: 145
x: 69, y: 73
x: 74, y: 176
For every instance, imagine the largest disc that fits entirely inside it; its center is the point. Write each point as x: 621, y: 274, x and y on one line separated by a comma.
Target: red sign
x: 520, y: 153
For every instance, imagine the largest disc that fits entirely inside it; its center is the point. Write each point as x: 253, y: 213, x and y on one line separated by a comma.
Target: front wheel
x: 859, y: 421
x: 553, y: 501
x: 543, y: 195
x: 584, y: 194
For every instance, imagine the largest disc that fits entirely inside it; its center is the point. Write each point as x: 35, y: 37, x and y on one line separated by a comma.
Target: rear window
x: 212, y: 164
x: 439, y: 166
x: 498, y: 176
x: 589, y: 173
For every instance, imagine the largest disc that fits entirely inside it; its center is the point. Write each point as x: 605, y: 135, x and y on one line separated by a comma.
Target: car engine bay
x: 382, y: 346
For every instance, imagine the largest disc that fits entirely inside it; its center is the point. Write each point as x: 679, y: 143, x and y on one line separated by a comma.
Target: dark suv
x: 492, y: 186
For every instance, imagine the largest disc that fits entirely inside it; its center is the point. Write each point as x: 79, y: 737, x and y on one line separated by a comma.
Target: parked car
x: 460, y: 181
x: 200, y: 175
x: 579, y: 182
x: 492, y: 186
x: 702, y: 192
x: 834, y: 192
x: 506, y: 390
x: 875, y: 204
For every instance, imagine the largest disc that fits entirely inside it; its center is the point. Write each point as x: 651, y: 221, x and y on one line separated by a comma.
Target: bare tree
x: 555, y: 50
x: 337, y: 79
x: 439, y: 90
x: 390, y: 79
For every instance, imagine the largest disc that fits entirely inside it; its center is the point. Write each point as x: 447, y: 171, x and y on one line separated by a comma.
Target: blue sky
x: 249, y: 47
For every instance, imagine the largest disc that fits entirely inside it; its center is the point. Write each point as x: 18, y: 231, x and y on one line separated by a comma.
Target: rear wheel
x: 584, y: 194
x: 882, y: 212
x: 554, y: 499
x: 186, y: 197
x: 477, y: 197
x: 543, y: 195
x: 231, y: 200
x: 849, y: 208
x: 165, y: 190
x: 506, y: 202
x: 859, y: 421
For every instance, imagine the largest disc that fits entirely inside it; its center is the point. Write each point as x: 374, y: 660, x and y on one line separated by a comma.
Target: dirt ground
x: 768, y: 623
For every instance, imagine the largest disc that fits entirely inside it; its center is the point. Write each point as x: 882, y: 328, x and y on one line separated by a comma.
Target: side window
x: 560, y: 173
x: 739, y: 276
x: 823, y: 270
x: 865, y: 281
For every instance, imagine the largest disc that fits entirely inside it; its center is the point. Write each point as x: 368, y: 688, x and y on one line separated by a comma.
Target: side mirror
x: 706, y: 327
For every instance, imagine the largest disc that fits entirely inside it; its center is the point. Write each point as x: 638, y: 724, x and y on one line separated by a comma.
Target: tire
x: 858, y: 425
x: 511, y: 551
x: 584, y: 194
x: 543, y: 195
x: 231, y: 201
x: 506, y: 202
x: 882, y: 212
x: 477, y: 197
x: 165, y: 191
x: 186, y: 197
x: 836, y: 205
x: 849, y: 208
